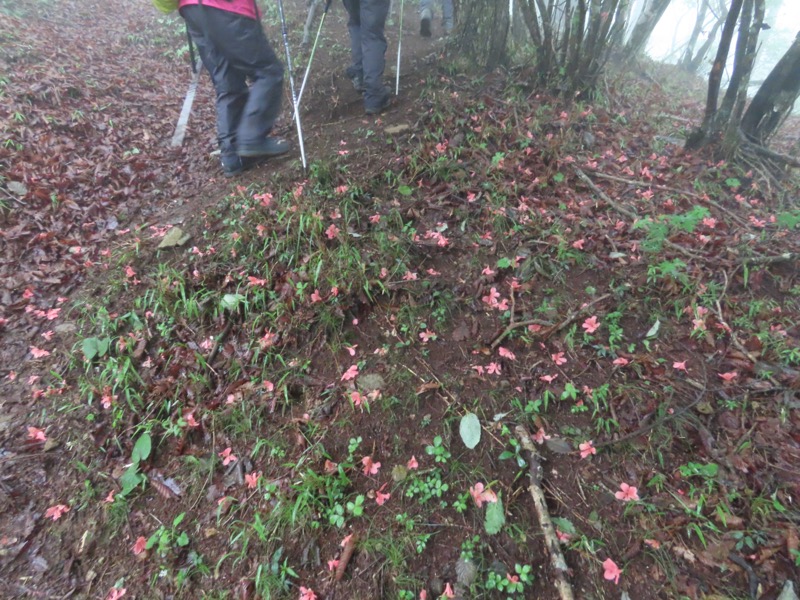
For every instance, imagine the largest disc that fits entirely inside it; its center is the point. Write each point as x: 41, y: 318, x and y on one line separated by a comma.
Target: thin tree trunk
x: 701, y: 136
x: 698, y: 27
x: 644, y: 27
x: 775, y: 98
x: 701, y: 54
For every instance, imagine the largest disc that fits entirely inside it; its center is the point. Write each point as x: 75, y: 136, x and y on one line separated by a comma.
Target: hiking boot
x: 381, y: 105
x: 425, y: 23
x: 356, y: 77
x: 231, y: 164
x: 270, y: 146
x: 358, y: 83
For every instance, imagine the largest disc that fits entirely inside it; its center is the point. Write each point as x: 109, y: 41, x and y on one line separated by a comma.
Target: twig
x: 557, y: 561
x: 552, y: 328
x: 752, y: 578
x: 665, y: 188
x: 347, y: 554
x: 735, y: 340
x: 630, y: 214
x: 771, y: 260
x: 218, y: 345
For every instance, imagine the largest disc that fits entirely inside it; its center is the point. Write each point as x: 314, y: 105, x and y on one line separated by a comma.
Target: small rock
x: 369, y: 382
x: 17, y: 187
x: 788, y: 593
x: 174, y: 237
x: 66, y: 328
x: 399, y: 473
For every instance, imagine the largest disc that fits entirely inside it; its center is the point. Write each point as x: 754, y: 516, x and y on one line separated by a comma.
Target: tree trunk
x: 698, y: 27
x: 482, y: 34
x: 644, y: 27
x: 705, y: 132
x: 775, y: 98
x: 722, y: 15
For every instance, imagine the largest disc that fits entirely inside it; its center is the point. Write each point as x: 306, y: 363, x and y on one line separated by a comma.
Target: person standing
x: 368, y: 51
x: 426, y: 16
x: 233, y: 48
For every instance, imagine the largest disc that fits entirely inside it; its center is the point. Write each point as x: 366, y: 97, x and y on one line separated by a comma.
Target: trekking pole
x: 399, y: 46
x: 291, y: 83
x: 313, y: 49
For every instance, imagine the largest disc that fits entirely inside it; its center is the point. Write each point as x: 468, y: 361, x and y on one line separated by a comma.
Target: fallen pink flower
x: 505, y: 353
x: 36, y: 434
x: 139, y: 545
x: 227, y: 457
x: 626, y: 493
x: 587, y: 448
x: 480, y: 494
x: 371, y: 467
x: 679, y: 366
x: 55, y: 512
x: 611, y: 571
x: 252, y: 479
x: 591, y: 324
x: 351, y: 373
x: 412, y: 464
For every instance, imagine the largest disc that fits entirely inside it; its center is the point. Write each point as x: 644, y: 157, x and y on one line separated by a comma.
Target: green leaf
x: 130, y: 479
x: 183, y: 539
x: 93, y: 347
x: 179, y: 519
x: 504, y: 263
x: 470, y: 430
x: 495, y: 517
x: 653, y: 332
x: 564, y: 525
x: 231, y: 301
x: 89, y: 347
x: 404, y: 190
x: 141, y: 450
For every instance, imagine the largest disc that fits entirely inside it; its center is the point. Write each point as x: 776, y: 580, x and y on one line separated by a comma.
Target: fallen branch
x: 630, y: 214
x: 665, y: 188
x: 557, y: 561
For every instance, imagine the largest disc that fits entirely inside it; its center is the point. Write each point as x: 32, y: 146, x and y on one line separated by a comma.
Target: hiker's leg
x: 373, y: 47
x: 229, y: 84
x: 448, y: 20
x: 425, y: 17
x: 246, y: 48
x: 356, y: 68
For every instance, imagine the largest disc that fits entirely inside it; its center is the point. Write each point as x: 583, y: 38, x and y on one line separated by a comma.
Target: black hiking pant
x: 234, y: 48
x: 368, y: 46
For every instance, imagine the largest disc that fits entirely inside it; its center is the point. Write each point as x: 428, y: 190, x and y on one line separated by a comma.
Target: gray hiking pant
x: 447, y: 12
x: 368, y: 46
x: 234, y: 48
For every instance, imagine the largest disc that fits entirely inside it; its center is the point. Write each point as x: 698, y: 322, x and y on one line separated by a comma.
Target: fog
x: 668, y: 40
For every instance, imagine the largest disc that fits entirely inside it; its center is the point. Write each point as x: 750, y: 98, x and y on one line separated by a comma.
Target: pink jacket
x: 246, y: 8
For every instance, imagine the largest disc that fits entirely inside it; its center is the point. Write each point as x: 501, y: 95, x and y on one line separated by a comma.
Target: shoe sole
x: 425, y: 28
x: 256, y: 153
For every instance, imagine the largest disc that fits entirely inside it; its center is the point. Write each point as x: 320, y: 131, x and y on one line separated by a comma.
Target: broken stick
x: 551, y: 540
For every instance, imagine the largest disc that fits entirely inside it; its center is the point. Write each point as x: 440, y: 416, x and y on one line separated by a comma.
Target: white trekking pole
x: 399, y: 47
x: 291, y: 83
x: 313, y: 50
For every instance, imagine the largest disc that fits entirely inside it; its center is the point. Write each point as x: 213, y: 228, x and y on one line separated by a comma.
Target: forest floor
x: 300, y: 385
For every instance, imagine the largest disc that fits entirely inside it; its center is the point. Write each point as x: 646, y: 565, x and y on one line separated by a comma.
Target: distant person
x: 368, y: 51
x: 233, y: 48
x: 426, y: 16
